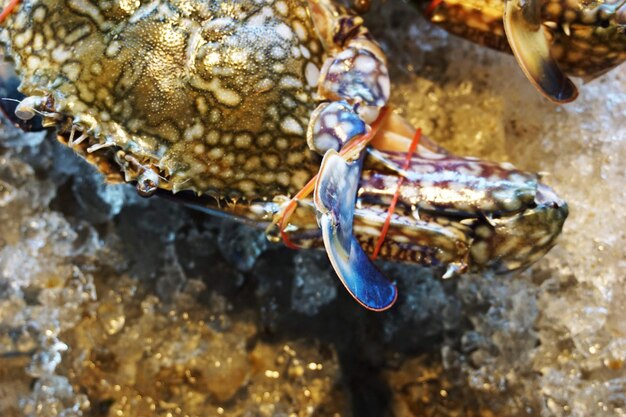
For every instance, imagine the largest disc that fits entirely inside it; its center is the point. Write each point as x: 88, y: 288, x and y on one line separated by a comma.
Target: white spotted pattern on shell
x: 215, y: 95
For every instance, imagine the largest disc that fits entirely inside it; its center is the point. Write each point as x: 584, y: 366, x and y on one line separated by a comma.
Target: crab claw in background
x: 522, y: 23
x: 334, y: 198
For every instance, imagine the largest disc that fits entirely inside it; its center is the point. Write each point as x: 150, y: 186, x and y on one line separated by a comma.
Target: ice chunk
x: 241, y: 244
x: 315, y: 284
x: 97, y: 200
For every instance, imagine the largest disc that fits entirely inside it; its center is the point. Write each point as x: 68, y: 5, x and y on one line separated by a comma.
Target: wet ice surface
x: 111, y: 305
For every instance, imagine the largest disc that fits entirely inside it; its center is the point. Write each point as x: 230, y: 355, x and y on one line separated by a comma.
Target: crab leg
x: 356, y: 81
x: 335, y: 188
x: 335, y: 196
x: 522, y: 23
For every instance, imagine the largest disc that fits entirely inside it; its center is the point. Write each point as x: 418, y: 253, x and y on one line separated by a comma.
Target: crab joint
x: 147, y: 178
x: 27, y: 109
x: 351, y: 150
x: 147, y: 183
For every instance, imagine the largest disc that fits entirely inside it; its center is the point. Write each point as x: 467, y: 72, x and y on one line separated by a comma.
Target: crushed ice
x: 113, y: 305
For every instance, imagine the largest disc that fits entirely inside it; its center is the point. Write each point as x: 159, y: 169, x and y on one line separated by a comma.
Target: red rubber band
x: 8, y: 10
x: 291, y: 207
x: 431, y: 7
x: 396, y: 196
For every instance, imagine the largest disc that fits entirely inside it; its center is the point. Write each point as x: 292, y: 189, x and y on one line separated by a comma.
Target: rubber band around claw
x: 392, y: 207
x: 430, y: 9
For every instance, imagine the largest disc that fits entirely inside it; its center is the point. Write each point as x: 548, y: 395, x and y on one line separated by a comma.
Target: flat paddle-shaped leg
x: 525, y: 32
x: 334, y: 197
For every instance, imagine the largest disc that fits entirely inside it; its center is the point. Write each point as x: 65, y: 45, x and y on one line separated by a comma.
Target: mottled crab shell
x: 214, y: 96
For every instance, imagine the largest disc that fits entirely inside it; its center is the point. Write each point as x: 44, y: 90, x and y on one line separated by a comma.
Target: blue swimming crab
x: 549, y: 38
x: 273, y: 112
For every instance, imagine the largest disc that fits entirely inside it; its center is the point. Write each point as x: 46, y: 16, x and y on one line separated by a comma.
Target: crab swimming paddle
x: 335, y: 196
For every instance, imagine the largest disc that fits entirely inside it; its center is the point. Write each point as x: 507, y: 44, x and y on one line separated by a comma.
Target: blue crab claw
x: 522, y: 24
x: 335, y: 196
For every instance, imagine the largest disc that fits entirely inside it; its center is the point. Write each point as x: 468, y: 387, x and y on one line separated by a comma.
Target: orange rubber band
x: 8, y: 10
x: 396, y: 196
x: 291, y: 207
x: 431, y: 7
x: 352, y: 149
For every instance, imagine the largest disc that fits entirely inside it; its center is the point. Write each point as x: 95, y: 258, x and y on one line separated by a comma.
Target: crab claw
x: 522, y: 24
x: 335, y: 196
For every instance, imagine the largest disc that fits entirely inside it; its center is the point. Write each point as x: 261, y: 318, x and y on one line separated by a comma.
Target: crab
x: 274, y: 113
x: 549, y: 38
